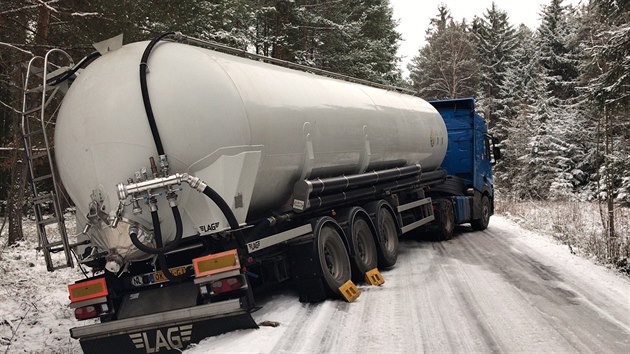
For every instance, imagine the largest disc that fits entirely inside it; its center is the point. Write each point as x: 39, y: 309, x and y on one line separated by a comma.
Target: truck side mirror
x: 496, y: 151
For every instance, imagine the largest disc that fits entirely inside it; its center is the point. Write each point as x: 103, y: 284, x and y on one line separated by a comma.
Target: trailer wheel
x: 365, y: 257
x: 445, y: 219
x: 332, y: 254
x: 482, y: 224
x: 387, y: 238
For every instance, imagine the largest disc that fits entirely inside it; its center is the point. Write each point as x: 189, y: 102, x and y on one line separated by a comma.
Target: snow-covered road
x: 501, y: 290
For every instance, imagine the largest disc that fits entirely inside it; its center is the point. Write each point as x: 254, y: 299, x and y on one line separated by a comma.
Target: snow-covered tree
x: 516, y: 96
x: 555, y: 163
x: 356, y: 38
x: 557, y: 55
x: 446, y: 67
x: 606, y: 85
x: 495, y: 41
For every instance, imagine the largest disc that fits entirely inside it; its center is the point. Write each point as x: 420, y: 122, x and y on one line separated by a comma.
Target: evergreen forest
x: 557, y: 96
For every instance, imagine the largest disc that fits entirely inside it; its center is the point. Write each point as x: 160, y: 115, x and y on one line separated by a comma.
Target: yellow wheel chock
x: 374, y: 277
x: 349, y: 291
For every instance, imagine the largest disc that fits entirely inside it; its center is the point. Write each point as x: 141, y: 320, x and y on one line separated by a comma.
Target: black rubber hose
x: 145, y: 92
x: 158, y: 235
x: 161, y: 257
x: 228, y: 213
x: 160, y: 250
x: 225, y: 209
x: 80, y: 65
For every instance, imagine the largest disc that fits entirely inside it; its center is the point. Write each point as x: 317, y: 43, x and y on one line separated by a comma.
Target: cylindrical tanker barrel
x: 249, y: 129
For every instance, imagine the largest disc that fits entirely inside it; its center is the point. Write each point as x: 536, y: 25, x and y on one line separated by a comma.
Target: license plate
x: 159, y: 277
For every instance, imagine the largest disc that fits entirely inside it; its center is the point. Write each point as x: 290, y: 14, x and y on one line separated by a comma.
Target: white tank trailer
x: 248, y: 129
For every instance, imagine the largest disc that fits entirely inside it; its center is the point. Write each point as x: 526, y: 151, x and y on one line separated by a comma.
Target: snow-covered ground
x: 505, y: 289
x: 579, y: 225
x: 34, y: 313
x: 502, y: 290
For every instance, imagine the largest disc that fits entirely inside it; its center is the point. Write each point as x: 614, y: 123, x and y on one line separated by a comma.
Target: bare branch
x: 11, y: 108
x: 14, y: 47
x: 47, y: 4
x: 34, y: 6
x: 23, y: 8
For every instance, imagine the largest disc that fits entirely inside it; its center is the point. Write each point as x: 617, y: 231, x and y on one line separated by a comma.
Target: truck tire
x: 332, y: 255
x: 445, y: 220
x: 365, y: 256
x: 482, y: 224
x: 386, y: 238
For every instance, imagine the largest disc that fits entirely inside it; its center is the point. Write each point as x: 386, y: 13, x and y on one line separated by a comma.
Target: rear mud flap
x: 168, y: 332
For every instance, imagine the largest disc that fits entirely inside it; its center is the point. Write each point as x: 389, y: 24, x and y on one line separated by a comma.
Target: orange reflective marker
x: 87, y: 290
x: 216, y: 263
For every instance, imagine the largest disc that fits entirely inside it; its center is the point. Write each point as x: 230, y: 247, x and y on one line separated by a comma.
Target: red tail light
x: 226, y: 285
x: 91, y: 311
x: 86, y: 312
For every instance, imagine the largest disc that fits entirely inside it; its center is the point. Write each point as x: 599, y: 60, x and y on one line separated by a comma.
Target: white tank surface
x: 249, y: 129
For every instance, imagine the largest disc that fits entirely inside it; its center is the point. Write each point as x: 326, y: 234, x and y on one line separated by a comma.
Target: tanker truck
x: 202, y: 174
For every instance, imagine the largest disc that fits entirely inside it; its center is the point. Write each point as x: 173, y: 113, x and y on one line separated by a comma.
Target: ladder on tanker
x: 36, y: 126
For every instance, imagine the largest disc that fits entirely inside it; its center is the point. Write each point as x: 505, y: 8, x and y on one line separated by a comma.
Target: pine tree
x: 555, y: 161
x: 439, y: 23
x: 516, y: 96
x: 446, y: 67
x: 495, y: 42
x: 356, y: 38
x: 606, y: 83
x: 557, y: 56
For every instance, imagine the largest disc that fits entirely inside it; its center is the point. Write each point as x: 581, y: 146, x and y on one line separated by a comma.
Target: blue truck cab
x: 469, y: 159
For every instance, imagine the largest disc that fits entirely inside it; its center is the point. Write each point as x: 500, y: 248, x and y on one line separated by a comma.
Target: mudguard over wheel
x: 452, y: 185
x: 482, y: 224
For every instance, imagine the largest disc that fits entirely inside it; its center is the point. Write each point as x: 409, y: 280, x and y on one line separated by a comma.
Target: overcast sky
x: 414, y: 15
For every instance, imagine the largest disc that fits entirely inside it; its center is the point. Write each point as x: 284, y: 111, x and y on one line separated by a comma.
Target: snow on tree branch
x: 33, y: 5
x: 85, y: 14
x: 47, y: 4
x: 17, y: 48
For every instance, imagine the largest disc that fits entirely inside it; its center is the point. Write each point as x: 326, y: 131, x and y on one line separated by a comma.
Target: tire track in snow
x: 463, y: 292
x: 491, y: 291
x: 564, y: 308
x: 524, y: 274
x: 296, y: 328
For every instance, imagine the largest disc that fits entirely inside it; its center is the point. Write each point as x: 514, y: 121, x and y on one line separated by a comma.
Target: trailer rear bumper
x: 165, y: 332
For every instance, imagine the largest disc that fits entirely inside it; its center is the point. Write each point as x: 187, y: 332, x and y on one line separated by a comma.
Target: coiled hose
x: 158, y: 235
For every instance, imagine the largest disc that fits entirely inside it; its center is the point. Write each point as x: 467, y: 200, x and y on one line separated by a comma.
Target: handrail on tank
x: 43, y: 112
x: 180, y: 37
x: 23, y: 125
x: 25, y: 91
